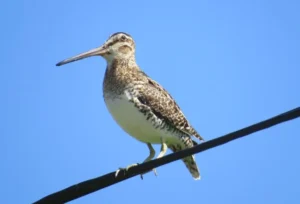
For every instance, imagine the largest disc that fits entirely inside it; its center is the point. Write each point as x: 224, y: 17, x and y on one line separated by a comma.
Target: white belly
x: 135, y: 123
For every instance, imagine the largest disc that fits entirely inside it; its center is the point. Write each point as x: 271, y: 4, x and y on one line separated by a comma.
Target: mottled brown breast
x: 120, y: 75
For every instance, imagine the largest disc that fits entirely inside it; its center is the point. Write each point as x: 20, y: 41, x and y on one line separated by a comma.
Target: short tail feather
x: 189, y: 161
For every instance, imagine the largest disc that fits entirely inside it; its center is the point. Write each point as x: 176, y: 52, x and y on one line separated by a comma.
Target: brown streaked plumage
x: 142, y: 107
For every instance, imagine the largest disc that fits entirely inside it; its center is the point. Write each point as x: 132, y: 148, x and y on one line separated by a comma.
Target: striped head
x: 118, y: 46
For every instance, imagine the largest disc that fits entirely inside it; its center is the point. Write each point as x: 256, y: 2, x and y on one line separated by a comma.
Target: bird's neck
x: 117, y: 62
x: 120, y: 73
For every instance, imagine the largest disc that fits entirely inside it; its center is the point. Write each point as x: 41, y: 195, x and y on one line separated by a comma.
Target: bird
x: 139, y: 104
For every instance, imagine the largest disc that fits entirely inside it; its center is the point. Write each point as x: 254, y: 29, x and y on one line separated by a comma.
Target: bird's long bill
x: 94, y: 52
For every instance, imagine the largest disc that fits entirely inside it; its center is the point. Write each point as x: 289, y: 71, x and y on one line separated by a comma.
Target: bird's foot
x: 125, y: 169
x: 132, y: 165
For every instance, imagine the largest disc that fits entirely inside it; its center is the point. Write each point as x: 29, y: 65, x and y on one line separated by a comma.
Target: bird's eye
x: 123, y: 38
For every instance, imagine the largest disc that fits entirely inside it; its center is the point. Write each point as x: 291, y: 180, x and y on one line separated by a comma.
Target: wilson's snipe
x: 143, y: 108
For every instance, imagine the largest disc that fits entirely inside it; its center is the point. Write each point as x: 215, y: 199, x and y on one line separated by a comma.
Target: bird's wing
x: 164, y: 106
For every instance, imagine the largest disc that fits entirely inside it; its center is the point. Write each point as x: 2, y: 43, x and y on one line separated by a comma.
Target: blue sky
x: 228, y: 64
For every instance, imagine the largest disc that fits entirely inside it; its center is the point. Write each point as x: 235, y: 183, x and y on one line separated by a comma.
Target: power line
x: 92, y: 185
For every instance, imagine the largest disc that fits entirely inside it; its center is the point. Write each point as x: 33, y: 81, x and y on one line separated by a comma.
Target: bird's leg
x: 163, y: 150
x: 151, y: 155
x: 151, y: 151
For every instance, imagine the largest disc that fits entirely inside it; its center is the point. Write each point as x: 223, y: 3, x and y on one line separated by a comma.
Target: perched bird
x: 142, y: 107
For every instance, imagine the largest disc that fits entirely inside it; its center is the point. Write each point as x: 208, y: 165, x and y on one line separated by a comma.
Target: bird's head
x: 118, y: 46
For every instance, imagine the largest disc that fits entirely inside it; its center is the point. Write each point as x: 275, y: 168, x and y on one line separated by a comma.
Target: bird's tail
x: 189, y: 161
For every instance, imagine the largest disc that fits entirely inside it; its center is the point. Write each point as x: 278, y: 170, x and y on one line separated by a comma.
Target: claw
x: 154, y: 171
x: 125, y: 169
x: 132, y: 165
x: 118, y: 171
